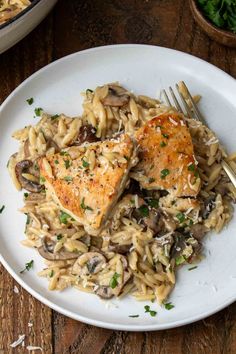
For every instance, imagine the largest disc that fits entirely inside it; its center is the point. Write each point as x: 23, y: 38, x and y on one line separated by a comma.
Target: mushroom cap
x: 31, y: 186
x: 117, y: 96
x: 89, y: 263
x: 47, y: 248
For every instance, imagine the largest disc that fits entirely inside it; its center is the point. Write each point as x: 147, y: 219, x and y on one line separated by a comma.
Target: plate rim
x: 50, y: 303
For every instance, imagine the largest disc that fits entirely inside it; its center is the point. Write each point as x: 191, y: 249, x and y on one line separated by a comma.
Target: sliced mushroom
x: 179, y: 244
x: 153, y: 221
x: 47, y: 249
x: 117, y: 96
x: 198, y: 231
x: 52, y: 144
x: 105, y: 292
x: 87, y: 133
x: 209, y: 205
x: 115, y: 247
x: 31, y: 186
x: 89, y: 263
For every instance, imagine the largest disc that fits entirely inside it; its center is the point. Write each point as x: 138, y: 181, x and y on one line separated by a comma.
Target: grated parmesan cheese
x: 136, y: 201
x: 173, y: 121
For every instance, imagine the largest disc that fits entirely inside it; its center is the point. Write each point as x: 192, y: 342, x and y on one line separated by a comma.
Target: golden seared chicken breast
x: 166, y: 156
x: 87, y: 180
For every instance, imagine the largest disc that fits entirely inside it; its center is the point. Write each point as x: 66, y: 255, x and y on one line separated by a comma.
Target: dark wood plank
x: 75, y: 25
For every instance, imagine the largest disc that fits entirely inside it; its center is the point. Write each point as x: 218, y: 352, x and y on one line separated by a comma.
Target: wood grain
x: 75, y: 25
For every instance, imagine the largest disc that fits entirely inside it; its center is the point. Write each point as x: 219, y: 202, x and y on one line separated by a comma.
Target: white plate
x: 56, y: 88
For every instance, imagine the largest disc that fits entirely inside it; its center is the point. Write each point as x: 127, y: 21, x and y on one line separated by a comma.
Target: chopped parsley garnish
x: 30, y: 101
x: 151, y: 180
x: 63, y: 217
x: 179, y: 260
x: 147, y: 309
x: 169, y: 306
x: 26, y: 195
x: 51, y: 273
x: 154, y: 203
x: 192, y: 268
x: 163, y: 144
x: 114, y: 281
x: 164, y: 173
x: 165, y: 135
x: 54, y: 117
x: 56, y: 162
x: 89, y: 91
x: 68, y: 178
x: 143, y: 210
x: 27, y: 219
x: 126, y: 157
x: 85, y: 207
x: 38, y: 111
x: 42, y: 179
x: 28, y: 266
x: 64, y: 153
x: 67, y: 163
x: 85, y: 164
x: 190, y: 222
x: 191, y: 167
x: 133, y: 316
x: 59, y: 237
x: 2, y: 208
x: 180, y: 217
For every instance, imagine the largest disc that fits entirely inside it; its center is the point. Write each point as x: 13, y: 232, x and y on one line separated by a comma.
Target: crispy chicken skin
x: 166, y: 156
x: 87, y: 180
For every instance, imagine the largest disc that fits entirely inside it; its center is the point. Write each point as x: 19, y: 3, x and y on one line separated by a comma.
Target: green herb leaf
x: 154, y: 203
x: 30, y: 101
x: 51, y: 273
x: 56, y: 162
x: 169, y: 306
x: 89, y: 91
x: 38, y: 111
x: 59, y: 237
x: 179, y: 260
x: 191, y: 167
x: 163, y: 144
x: 113, y: 282
x: 28, y: 266
x: 63, y: 217
x: 68, y: 178
x: 165, y: 135
x: 26, y: 195
x: 85, y: 163
x: 133, y: 316
x: 180, y: 217
x: 67, y: 163
x: 55, y: 116
x: 192, y: 268
x: 27, y: 219
x: 143, y: 210
x: 164, y: 173
x: 151, y: 312
x: 85, y: 207
x: 2, y: 208
x: 42, y: 179
x: 64, y: 153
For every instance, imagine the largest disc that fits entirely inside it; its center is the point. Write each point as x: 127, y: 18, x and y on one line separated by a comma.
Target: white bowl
x: 18, y: 27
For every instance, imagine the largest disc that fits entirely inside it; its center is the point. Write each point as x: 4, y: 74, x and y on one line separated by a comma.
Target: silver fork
x: 195, y: 114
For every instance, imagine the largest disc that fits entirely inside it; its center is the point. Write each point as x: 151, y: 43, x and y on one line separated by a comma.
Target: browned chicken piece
x: 166, y: 156
x: 87, y: 180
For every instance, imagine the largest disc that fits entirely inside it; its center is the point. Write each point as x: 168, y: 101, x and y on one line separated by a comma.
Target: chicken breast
x: 87, y: 180
x: 166, y: 156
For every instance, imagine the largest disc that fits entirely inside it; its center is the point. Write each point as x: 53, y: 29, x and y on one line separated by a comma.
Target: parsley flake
x: 56, y: 162
x: 59, y: 237
x: 192, y: 268
x: 165, y: 135
x: 163, y: 144
x: 114, y: 282
x: 151, y: 180
x: 180, y: 217
x: 2, y: 208
x: 164, y: 173
x: 85, y: 164
x: 67, y: 163
x: 154, y: 203
x: 51, y: 273
x: 85, y: 207
x: 143, y: 210
x: 63, y: 217
x: 151, y: 312
x: 28, y: 266
x: 68, y: 178
x: 30, y: 101
x: 38, y: 111
x: 169, y: 306
x: 179, y: 260
x: 191, y: 167
x: 54, y: 117
x: 133, y: 316
x: 42, y: 180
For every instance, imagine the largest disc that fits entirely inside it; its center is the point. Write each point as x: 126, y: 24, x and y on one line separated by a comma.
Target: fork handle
x: 229, y: 171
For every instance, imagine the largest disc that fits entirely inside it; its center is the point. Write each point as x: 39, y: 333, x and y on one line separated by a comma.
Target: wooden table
x: 72, y: 26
